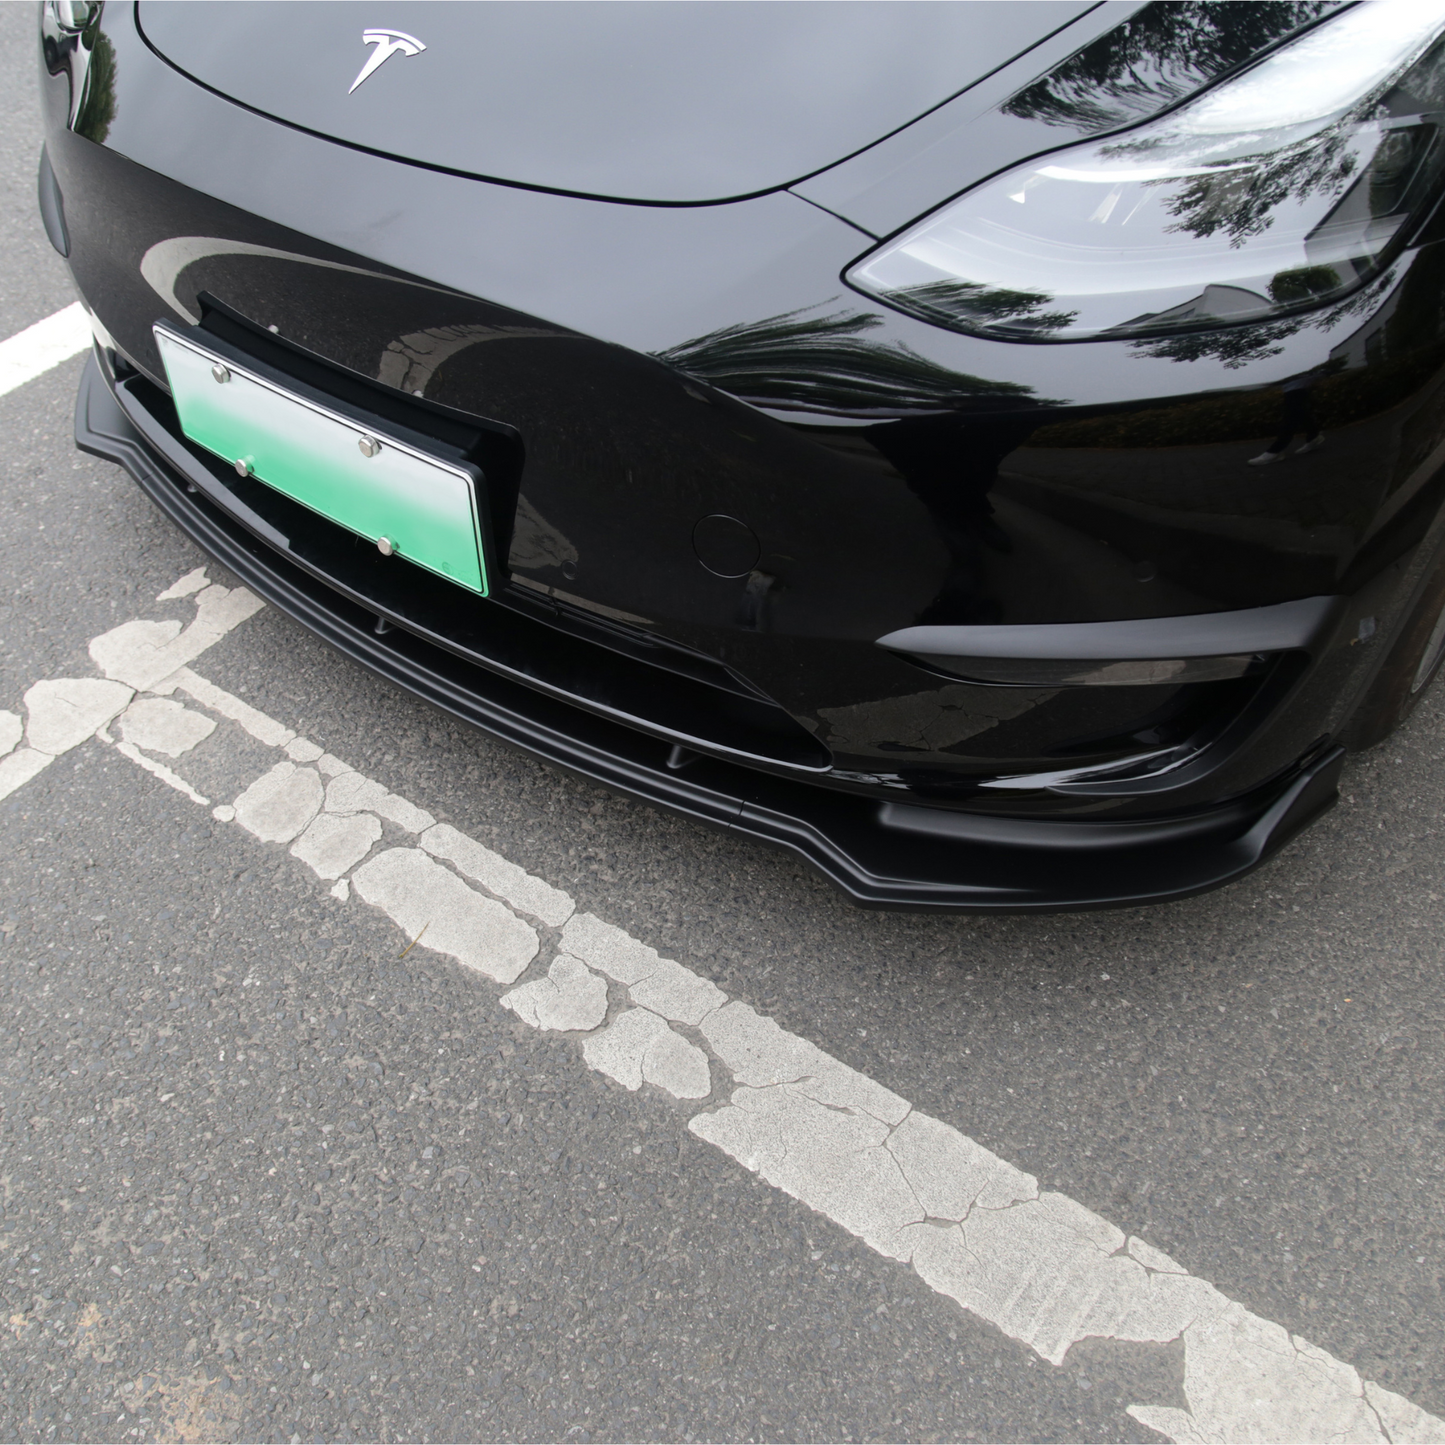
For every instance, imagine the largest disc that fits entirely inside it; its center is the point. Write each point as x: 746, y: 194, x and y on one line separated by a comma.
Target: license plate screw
x: 369, y: 446
x: 220, y: 373
x: 243, y: 466
x: 383, y: 545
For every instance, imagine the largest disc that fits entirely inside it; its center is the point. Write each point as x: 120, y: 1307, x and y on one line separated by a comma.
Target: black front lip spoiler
x: 889, y: 855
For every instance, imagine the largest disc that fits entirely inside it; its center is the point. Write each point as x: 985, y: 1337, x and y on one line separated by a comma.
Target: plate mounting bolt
x: 369, y: 446
x: 383, y: 545
x: 243, y: 466
x: 220, y: 373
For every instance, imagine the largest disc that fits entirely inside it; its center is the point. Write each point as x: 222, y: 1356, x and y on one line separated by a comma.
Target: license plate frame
x: 420, y: 508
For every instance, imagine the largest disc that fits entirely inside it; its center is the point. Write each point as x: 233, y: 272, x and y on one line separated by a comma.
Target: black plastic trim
x: 1282, y: 628
x: 883, y: 856
x: 52, y: 205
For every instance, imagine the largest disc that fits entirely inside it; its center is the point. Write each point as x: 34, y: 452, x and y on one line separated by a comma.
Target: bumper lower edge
x: 882, y: 856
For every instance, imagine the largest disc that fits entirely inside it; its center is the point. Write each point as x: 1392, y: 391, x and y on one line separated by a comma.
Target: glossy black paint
x: 651, y: 368
x: 628, y: 100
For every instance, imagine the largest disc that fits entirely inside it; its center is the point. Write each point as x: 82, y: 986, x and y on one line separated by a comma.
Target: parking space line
x: 32, y: 352
x: 1041, y: 1267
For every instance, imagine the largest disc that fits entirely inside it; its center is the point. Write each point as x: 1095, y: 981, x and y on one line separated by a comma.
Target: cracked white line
x: 155, y: 769
x: 570, y: 999
x: 1038, y: 1265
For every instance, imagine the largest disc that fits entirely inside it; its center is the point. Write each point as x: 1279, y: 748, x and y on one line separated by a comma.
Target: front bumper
x: 883, y: 854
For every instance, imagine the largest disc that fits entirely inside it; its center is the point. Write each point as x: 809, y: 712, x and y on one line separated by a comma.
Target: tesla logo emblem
x: 387, y: 43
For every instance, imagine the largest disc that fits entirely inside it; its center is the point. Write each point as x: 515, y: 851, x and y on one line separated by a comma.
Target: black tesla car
x: 992, y: 450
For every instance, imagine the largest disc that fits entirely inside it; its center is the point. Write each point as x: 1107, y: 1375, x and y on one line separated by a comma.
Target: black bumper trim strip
x: 1284, y: 627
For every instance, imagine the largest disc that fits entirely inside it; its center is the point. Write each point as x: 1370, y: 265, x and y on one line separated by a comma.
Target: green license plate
x: 410, y: 504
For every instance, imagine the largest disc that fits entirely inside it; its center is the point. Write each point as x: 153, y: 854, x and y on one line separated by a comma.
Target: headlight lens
x: 1281, y: 189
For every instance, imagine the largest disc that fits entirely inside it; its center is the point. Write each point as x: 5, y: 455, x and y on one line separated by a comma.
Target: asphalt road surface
x: 273, y: 1167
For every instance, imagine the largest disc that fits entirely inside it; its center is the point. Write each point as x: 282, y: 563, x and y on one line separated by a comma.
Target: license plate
x: 411, y: 505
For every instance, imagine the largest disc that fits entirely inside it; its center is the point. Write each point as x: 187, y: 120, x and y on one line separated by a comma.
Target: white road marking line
x: 141, y: 654
x: 262, y: 728
x: 160, y: 725
x: 353, y: 793
x: 659, y: 984
x: 331, y: 846
x: 11, y: 731
x: 417, y: 893
x: 157, y: 770
x: 60, y: 715
x: 280, y: 804
x: 32, y: 352
x: 1043, y: 1268
x: 193, y: 581
x: 497, y: 875
x: 762, y: 1055
x: 638, y: 1045
x: 570, y: 999
x: 19, y: 767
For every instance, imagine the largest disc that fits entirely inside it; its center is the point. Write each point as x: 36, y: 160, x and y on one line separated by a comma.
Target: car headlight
x: 1280, y: 189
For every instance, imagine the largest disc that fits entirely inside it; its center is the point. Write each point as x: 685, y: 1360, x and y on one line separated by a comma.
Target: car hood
x: 661, y: 103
